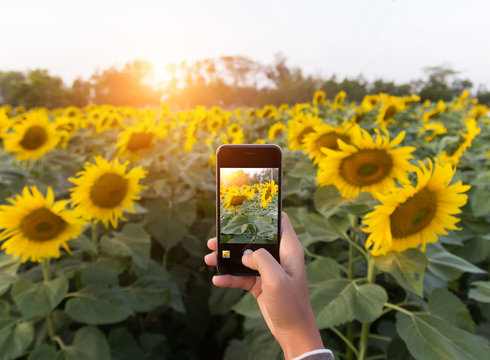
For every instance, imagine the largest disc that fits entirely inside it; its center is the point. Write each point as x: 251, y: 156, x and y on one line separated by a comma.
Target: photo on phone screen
x: 249, y: 205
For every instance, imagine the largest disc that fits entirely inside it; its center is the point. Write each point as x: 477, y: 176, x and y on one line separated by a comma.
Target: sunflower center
x: 390, y: 111
x: 238, y: 200
x: 329, y: 140
x: 140, y: 141
x: 34, y: 138
x: 109, y: 190
x: 268, y: 193
x: 414, y: 214
x: 366, y: 167
x: 42, y: 225
x: 303, y: 133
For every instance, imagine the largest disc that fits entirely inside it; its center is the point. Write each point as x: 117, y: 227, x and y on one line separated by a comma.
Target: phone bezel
x: 246, y: 156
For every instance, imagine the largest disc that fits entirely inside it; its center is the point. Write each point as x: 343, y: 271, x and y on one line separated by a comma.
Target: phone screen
x: 249, y: 205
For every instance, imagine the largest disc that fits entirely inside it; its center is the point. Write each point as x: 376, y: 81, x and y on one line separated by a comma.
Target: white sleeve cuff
x: 314, y: 352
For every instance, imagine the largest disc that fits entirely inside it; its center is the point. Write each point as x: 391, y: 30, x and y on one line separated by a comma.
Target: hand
x: 281, y: 292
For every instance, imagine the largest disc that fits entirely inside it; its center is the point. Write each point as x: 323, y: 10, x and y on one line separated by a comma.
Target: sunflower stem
x: 363, y: 343
x: 49, y: 318
x: 350, y: 325
x: 94, y: 240
x: 345, y: 340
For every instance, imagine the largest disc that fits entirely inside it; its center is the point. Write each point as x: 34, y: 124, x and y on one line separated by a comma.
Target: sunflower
x: 236, y: 197
x: 35, y: 226
x: 215, y: 123
x: 325, y: 136
x: 190, y: 135
x: 319, y: 97
x: 269, y: 189
x: 269, y: 112
x: 389, y: 108
x: 434, y: 113
x: 368, y: 166
x: 370, y: 102
x: 4, y: 122
x: 136, y: 140
x: 301, y: 125
x: 339, y: 100
x: 413, y: 216
x: 435, y: 127
x: 104, y: 189
x: 71, y: 112
x: 478, y: 111
x: 464, y: 95
x: 472, y: 130
x: 31, y: 138
x: 358, y: 116
x: 275, y: 130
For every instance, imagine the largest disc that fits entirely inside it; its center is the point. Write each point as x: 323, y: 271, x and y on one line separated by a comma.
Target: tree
x: 38, y: 89
x: 6, y: 81
x: 126, y: 86
x: 79, y: 93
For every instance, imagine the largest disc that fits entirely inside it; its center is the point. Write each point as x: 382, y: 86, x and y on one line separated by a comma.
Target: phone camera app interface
x: 249, y: 203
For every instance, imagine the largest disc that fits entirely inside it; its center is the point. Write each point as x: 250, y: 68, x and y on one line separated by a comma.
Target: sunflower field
x: 105, y: 212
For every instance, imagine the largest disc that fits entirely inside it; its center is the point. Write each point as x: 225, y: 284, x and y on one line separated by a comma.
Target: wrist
x: 301, y: 341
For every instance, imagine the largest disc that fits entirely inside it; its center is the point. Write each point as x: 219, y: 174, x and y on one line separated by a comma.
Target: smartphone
x: 248, y: 203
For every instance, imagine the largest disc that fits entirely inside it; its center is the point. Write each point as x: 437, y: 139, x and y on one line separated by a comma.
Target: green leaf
x: 43, y: 352
x: 449, y: 307
x: 237, y: 225
x: 36, y: 299
x: 96, y: 304
x: 340, y: 300
x: 222, y: 299
x: 321, y: 270
x: 328, y: 201
x: 262, y: 345
x: 4, y: 308
x: 15, y: 337
x: 98, y: 275
x: 481, y: 292
x: 320, y: 229
x: 407, y: 268
x: 89, y: 344
x: 236, y: 350
x: 83, y: 243
x: 8, y: 270
x: 430, y: 337
x: 133, y: 241
x: 480, y: 202
x: 169, y: 225
x: 152, y: 289
x: 248, y: 306
x: 448, y: 266
x: 124, y: 346
x: 397, y: 350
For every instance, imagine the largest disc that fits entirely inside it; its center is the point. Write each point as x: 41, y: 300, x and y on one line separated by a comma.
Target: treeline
x: 226, y: 81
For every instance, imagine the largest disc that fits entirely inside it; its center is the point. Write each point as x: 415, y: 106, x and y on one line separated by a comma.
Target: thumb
x: 262, y: 261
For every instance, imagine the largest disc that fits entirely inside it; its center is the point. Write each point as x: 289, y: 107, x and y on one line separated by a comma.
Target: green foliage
x: 407, y: 268
x: 36, y: 299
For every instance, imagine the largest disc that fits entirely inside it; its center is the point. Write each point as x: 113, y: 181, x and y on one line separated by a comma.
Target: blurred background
x: 230, y: 53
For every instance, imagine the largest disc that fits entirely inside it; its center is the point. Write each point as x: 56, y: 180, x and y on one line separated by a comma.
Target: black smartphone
x: 248, y: 203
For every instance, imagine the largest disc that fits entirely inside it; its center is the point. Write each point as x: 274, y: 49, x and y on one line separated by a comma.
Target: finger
x: 212, y: 244
x: 262, y: 261
x: 242, y: 282
x: 290, y: 251
x: 211, y: 259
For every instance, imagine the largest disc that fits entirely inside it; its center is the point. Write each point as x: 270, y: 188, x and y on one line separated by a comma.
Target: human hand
x: 281, y: 291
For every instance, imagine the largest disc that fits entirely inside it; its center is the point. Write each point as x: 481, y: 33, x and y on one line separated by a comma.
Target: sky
x: 389, y: 39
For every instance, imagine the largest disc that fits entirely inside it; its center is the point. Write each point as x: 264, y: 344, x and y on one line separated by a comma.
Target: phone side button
x: 248, y: 251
